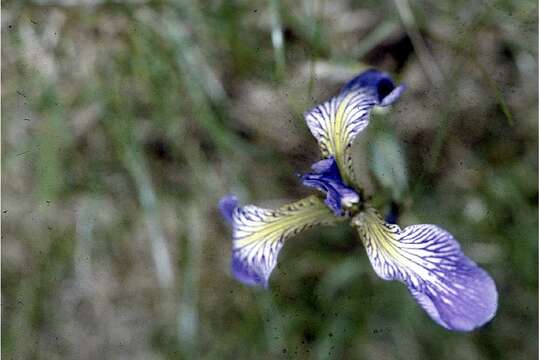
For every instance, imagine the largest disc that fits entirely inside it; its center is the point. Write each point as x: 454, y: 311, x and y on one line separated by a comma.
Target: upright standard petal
x: 336, y: 122
x: 258, y: 235
x: 449, y: 286
x: 326, y: 178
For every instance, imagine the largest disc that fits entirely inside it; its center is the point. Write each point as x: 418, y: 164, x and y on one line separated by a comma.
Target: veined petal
x: 449, y: 286
x: 337, y: 122
x: 258, y: 235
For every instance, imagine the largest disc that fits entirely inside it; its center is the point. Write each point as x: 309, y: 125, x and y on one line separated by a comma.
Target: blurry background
x: 125, y: 122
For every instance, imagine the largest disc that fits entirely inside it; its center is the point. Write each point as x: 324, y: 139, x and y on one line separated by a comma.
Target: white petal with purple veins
x: 449, y: 286
x: 258, y: 235
x: 336, y: 123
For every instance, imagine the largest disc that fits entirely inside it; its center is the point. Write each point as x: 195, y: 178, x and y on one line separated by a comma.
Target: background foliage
x: 125, y: 122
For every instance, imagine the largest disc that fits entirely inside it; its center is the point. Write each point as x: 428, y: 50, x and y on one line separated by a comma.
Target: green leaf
x: 388, y: 164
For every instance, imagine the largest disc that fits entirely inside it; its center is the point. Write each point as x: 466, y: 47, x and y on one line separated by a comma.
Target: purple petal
x: 392, y: 215
x: 381, y: 84
x: 326, y: 166
x: 326, y: 178
x: 259, y: 234
x: 227, y: 204
x: 449, y: 286
x: 393, y: 96
x: 247, y: 274
x: 470, y: 302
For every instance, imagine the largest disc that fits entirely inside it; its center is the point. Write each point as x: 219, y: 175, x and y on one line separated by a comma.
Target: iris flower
x: 450, y: 287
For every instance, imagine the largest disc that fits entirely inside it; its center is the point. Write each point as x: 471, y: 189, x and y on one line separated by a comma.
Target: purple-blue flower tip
x: 246, y: 275
x: 387, y: 92
x: 227, y: 204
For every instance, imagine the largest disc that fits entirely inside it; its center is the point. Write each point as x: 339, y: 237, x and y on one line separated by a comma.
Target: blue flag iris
x: 450, y: 287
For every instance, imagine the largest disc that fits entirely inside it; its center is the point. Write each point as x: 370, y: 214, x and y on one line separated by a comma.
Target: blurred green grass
x: 124, y: 123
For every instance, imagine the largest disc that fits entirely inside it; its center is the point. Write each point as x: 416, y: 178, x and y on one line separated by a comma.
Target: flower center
x: 326, y: 178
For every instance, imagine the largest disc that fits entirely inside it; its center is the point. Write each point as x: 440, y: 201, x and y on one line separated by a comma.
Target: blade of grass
x: 273, y: 326
x: 443, y: 127
x: 188, y: 309
x: 172, y: 30
x: 277, y: 39
x: 147, y: 198
x: 51, y: 144
x: 471, y: 57
x: 121, y: 112
x: 374, y: 38
x: 429, y: 64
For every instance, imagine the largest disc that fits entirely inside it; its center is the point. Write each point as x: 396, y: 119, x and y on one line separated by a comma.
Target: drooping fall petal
x: 259, y: 234
x: 449, y: 286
